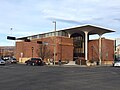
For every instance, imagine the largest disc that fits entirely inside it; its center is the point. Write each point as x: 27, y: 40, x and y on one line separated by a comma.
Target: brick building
x: 7, y: 51
x: 64, y: 48
x: 67, y: 45
x: 107, y: 49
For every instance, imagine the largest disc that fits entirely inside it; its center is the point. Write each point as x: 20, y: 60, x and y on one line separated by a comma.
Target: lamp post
x: 54, y: 43
x: 32, y: 51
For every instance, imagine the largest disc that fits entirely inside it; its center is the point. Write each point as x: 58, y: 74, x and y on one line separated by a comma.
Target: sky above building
x: 29, y: 17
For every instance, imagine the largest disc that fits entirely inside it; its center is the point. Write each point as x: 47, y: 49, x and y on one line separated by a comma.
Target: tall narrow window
x: 78, y: 45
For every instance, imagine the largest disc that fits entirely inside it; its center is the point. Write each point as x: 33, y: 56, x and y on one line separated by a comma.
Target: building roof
x: 92, y: 29
x: 89, y: 28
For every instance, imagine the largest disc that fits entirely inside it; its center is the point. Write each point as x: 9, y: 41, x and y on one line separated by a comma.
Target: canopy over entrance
x: 91, y: 29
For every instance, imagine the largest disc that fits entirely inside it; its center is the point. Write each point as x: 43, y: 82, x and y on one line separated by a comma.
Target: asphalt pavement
x: 22, y: 77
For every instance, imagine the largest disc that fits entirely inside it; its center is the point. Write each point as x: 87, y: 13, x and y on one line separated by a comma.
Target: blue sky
x: 28, y: 17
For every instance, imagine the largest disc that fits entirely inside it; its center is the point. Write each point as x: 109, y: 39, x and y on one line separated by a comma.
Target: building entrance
x: 78, y: 43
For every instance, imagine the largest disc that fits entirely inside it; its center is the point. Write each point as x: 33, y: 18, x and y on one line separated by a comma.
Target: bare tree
x: 44, y: 52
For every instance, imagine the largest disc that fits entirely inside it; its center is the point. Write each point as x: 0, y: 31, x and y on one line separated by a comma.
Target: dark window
x: 78, y: 43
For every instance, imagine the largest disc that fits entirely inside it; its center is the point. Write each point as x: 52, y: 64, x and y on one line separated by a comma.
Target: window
x: 78, y: 43
x: 34, y: 37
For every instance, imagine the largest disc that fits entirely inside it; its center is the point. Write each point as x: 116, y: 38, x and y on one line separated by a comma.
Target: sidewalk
x: 64, y: 65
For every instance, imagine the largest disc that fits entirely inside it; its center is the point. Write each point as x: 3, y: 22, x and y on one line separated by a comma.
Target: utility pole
x: 54, y: 42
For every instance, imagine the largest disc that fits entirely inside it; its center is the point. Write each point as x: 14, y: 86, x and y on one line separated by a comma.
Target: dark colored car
x: 116, y: 62
x: 34, y: 61
x: 5, y: 58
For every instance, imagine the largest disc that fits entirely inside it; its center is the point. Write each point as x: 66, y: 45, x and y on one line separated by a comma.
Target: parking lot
x: 22, y: 77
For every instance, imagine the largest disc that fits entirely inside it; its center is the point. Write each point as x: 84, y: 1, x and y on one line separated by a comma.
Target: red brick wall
x: 107, y: 49
x: 64, y: 48
x: 26, y: 49
x: 93, y: 50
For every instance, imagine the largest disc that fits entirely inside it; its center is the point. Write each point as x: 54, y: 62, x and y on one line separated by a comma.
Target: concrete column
x: 69, y: 35
x: 100, y: 50
x: 86, y: 45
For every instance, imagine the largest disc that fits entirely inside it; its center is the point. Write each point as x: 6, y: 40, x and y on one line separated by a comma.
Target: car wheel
x: 113, y: 65
x: 26, y: 63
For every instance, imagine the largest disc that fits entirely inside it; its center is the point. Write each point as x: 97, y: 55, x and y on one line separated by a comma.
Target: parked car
x: 34, y: 61
x: 5, y: 58
x: 13, y: 60
x: 116, y: 63
x: 2, y: 62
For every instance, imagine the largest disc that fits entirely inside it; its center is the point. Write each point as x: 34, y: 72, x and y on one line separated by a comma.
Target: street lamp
x: 32, y: 51
x: 54, y: 26
x: 54, y: 43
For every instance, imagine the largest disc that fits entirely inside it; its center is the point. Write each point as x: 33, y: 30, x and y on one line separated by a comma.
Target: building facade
x: 7, y: 51
x: 107, y: 49
x: 63, y: 46
x: 67, y: 45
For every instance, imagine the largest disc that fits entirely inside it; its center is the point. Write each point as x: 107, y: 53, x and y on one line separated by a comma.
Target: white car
x: 12, y: 60
x: 116, y: 63
x: 2, y: 62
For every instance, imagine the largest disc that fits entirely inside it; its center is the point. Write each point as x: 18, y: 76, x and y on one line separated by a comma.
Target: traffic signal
x: 11, y: 38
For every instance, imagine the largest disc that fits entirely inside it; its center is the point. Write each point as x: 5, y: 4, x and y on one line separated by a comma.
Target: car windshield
x: 117, y: 61
x: 13, y: 59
